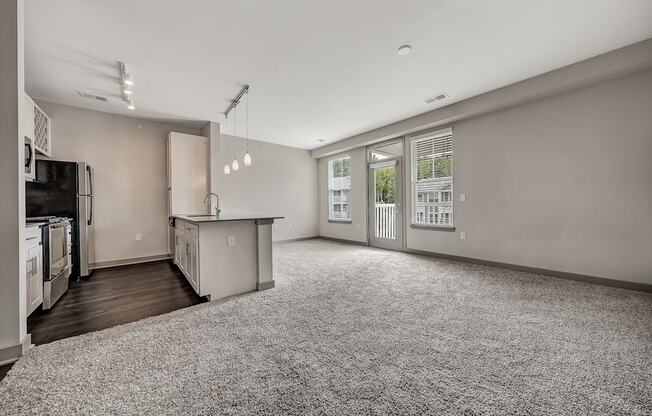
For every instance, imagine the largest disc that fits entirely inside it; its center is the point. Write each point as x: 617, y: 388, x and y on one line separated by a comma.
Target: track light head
x: 129, y: 80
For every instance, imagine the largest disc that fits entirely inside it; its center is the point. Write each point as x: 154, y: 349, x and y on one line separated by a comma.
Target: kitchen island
x: 225, y: 255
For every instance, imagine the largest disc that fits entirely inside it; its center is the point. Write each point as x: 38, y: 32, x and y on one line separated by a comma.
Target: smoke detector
x: 436, y: 98
x: 92, y: 96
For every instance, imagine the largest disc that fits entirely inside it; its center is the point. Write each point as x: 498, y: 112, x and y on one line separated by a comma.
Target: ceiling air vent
x: 92, y: 96
x: 436, y: 98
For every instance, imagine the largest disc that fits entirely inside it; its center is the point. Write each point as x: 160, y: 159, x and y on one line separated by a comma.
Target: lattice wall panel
x: 41, y: 130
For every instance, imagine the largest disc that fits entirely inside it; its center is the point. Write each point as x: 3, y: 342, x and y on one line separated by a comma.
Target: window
x: 432, y: 179
x: 339, y: 189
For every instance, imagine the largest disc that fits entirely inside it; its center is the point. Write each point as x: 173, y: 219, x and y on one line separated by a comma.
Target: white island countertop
x: 224, y: 217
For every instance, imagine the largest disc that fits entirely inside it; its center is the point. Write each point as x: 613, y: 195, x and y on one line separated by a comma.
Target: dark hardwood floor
x: 111, y: 297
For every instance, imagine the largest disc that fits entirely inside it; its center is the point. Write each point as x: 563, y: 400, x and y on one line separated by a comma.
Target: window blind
x: 432, y: 179
x: 339, y: 188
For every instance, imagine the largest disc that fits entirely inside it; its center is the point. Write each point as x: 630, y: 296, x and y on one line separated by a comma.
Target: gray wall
x: 12, y: 181
x: 282, y: 181
x: 130, y: 176
x: 562, y: 183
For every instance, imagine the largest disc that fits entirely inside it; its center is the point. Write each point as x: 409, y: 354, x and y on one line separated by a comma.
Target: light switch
x: 462, y: 235
x: 230, y: 241
x: 139, y: 237
x: 462, y: 197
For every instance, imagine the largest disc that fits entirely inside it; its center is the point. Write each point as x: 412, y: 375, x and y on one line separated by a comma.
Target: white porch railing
x: 385, y: 221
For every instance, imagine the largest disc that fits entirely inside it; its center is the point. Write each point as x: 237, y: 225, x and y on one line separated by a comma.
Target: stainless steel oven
x: 59, y: 250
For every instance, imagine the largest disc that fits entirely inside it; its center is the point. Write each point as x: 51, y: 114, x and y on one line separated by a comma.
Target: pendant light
x: 235, y: 166
x: 227, y: 168
x: 247, y: 156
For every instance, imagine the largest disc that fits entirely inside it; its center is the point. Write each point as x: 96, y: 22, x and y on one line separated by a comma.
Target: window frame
x: 329, y: 177
x: 414, y: 181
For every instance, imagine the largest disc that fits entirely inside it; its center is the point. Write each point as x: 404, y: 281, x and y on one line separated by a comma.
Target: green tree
x: 341, y: 167
x: 385, y: 185
x: 440, y: 166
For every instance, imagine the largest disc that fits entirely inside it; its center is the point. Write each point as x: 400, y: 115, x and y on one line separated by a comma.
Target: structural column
x: 13, y: 326
x: 264, y: 254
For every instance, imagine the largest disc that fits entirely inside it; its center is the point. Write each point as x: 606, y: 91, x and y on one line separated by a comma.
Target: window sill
x: 340, y: 221
x: 448, y: 228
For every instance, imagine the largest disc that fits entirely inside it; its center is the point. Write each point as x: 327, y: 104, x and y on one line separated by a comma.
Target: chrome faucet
x: 207, y: 200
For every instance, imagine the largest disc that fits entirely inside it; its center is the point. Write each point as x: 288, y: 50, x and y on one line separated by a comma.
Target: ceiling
x: 320, y: 71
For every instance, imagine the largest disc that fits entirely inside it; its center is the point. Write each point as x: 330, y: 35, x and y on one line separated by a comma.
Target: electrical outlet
x: 462, y: 197
x: 230, y: 241
x: 462, y: 235
x: 139, y: 237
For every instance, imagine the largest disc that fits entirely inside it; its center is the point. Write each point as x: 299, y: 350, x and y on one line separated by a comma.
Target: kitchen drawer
x: 179, y: 225
x: 191, y: 230
x: 32, y: 236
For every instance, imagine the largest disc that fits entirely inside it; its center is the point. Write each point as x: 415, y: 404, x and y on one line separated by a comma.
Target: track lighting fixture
x: 247, y: 156
x: 235, y: 165
x: 129, y: 79
x: 127, y: 83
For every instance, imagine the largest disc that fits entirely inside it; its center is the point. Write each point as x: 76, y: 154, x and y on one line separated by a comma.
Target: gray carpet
x: 354, y: 330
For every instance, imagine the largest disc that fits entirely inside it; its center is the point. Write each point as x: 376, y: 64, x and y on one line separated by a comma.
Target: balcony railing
x: 385, y: 221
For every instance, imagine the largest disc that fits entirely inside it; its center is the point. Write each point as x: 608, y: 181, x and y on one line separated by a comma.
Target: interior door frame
x: 372, y: 241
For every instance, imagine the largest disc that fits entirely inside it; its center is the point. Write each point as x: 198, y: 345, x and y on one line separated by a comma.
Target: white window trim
x: 433, y: 135
x: 328, y: 186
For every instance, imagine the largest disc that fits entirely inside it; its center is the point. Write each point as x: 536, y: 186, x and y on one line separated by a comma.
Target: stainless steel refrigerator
x: 66, y: 189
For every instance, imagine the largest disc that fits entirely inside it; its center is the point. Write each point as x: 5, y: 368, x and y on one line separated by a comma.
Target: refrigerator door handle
x: 90, y: 216
x: 90, y: 180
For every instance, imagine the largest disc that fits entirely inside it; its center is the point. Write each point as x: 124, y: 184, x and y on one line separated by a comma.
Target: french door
x: 385, y: 198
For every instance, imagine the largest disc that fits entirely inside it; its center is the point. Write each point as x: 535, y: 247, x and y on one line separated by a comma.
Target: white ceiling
x: 318, y: 69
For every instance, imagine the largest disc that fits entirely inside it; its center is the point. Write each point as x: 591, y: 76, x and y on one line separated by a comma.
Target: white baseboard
x: 292, y: 240
x: 11, y: 354
x: 126, y: 262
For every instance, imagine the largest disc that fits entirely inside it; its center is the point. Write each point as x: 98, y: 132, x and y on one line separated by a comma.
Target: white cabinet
x: 38, y: 127
x: 187, y: 174
x: 29, y: 116
x: 34, y: 269
x: 186, y: 252
x: 192, y: 261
